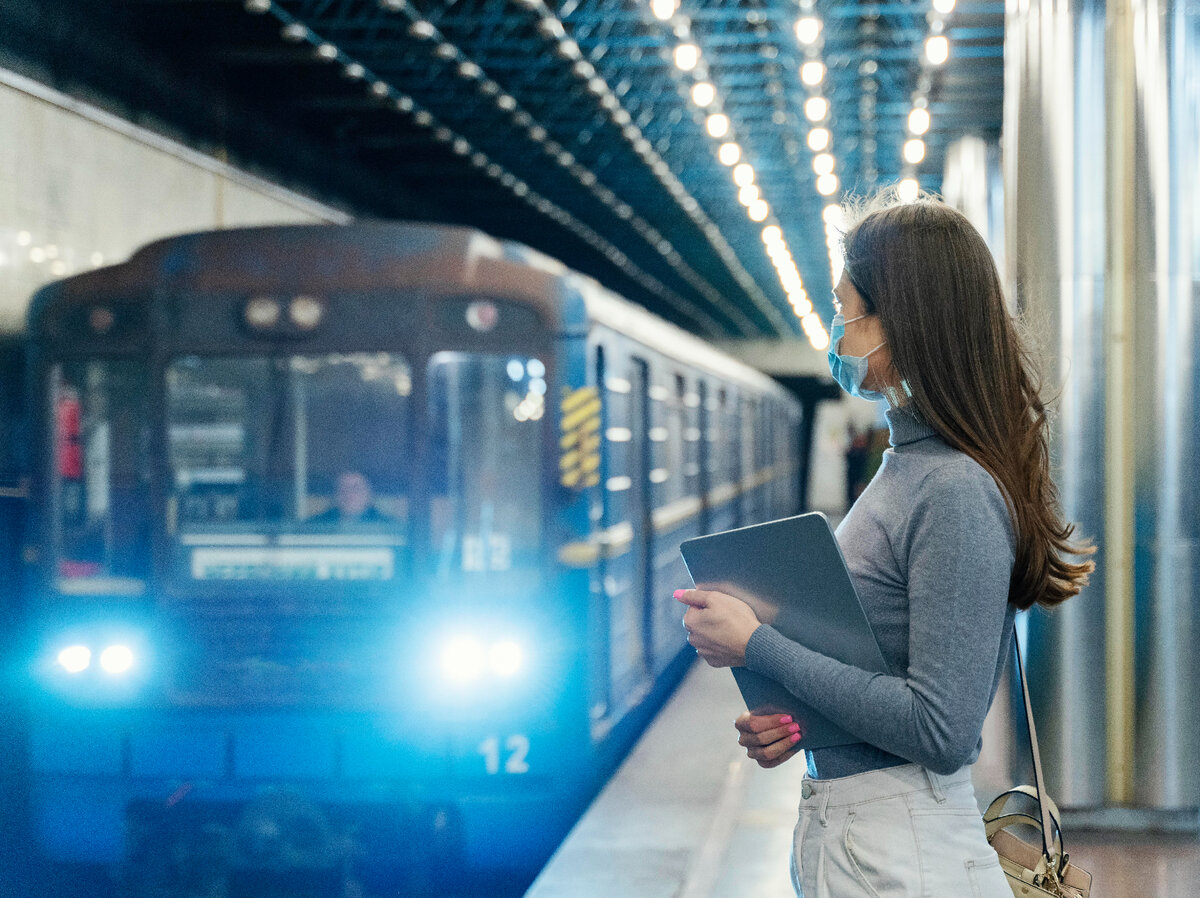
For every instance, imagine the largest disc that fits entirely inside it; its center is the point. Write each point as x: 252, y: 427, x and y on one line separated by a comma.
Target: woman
x: 958, y: 529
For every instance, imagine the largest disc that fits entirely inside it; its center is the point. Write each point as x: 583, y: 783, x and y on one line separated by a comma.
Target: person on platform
x: 958, y: 529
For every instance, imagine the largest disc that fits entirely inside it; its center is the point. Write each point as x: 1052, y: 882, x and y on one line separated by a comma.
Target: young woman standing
x: 958, y: 530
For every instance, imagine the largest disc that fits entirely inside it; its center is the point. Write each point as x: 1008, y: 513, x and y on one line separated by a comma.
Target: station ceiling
x: 575, y: 126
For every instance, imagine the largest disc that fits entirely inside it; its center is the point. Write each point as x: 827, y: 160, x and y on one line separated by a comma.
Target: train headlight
x: 75, y: 658
x: 117, y: 659
x: 463, y: 659
x: 505, y: 658
x: 305, y: 312
x: 262, y: 312
x: 467, y: 659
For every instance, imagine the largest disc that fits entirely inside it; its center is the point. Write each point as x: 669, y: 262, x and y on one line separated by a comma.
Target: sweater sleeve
x: 960, y: 556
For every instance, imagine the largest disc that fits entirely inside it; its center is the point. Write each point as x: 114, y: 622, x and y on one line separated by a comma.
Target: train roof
x: 367, y: 255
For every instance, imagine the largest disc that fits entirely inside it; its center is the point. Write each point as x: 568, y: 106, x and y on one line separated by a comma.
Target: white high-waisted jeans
x: 902, y: 832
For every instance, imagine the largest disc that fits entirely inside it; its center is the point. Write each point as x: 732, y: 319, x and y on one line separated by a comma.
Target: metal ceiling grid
x: 571, y: 127
x: 518, y: 123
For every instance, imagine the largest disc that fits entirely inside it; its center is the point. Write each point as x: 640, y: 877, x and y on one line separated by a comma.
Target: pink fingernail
x: 677, y: 594
x: 795, y: 737
x: 787, y: 718
x: 794, y: 728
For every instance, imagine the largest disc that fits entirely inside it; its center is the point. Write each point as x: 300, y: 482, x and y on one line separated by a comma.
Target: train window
x: 101, y: 463
x: 485, y: 464
x: 309, y: 452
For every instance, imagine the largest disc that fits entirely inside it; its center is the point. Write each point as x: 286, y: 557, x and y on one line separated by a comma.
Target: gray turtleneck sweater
x: 930, y: 549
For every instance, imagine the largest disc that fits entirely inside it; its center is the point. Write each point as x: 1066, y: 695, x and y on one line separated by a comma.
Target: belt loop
x: 935, y: 786
x: 825, y: 793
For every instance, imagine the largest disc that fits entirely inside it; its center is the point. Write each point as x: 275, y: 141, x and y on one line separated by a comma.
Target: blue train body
x: 227, y: 665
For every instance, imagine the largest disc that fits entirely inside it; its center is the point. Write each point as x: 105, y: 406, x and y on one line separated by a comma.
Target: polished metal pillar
x: 1055, y: 226
x: 1166, y: 58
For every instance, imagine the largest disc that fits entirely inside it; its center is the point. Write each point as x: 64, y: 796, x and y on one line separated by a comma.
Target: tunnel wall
x: 80, y: 187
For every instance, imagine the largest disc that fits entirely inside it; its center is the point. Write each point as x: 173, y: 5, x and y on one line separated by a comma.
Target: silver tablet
x: 791, y: 572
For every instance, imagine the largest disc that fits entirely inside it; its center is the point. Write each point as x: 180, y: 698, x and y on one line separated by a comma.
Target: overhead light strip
x: 553, y: 28
x: 934, y: 52
x: 688, y: 59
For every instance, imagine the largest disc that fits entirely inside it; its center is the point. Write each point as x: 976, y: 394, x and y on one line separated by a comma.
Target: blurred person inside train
x: 958, y: 529
x: 353, y: 502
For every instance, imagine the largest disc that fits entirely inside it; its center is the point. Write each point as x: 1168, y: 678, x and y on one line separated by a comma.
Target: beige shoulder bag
x: 1033, y: 871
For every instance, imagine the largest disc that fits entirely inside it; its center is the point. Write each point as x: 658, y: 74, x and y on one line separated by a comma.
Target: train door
x: 626, y: 534
x: 641, y: 509
x: 600, y: 665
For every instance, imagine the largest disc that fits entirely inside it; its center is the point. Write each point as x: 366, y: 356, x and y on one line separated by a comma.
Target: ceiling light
x: 945, y: 7
x: 717, y: 124
x: 748, y: 194
x: 327, y: 51
x: 686, y: 57
x: 743, y: 174
x: 914, y: 150
x: 662, y: 9
x: 816, y: 108
x: 729, y: 153
x: 258, y: 7
x: 569, y: 50
x: 703, y: 93
x: 818, y: 139
x: 771, y: 234
x: 823, y: 163
x: 812, y: 72
x: 827, y: 184
x: 422, y: 29
x: 808, y: 29
x: 907, y: 190
x: 293, y: 32
x: 918, y: 121
x: 469, y: 70
x: 354, y: 71
x: 834, y: 215
x: 392, y: 5
x: 551, y: 27
x: 380, y: 88
x: 937, y: 49
x: 583, y: 69
x: 758, y: 210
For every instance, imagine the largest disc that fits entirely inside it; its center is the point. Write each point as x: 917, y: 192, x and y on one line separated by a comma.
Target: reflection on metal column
x: 1166, y: 47
x: 1054, y: 175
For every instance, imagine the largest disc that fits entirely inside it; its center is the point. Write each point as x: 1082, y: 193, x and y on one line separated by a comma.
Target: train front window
x: 485, y: 465
x: 100, y: 470
x: 289, y: 468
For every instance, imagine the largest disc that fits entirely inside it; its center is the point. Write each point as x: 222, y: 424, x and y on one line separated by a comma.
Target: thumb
x: 691, y: 597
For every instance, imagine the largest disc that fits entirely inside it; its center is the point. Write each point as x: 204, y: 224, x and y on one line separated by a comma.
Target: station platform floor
x: 688, y: 815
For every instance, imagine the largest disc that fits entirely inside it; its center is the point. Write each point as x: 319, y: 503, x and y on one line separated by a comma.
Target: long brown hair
x: 929, y: 276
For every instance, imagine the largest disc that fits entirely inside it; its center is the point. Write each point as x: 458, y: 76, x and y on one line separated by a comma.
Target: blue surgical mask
x: 850, y: 370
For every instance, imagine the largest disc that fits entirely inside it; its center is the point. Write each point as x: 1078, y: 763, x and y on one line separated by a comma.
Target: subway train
x: 349, y: 551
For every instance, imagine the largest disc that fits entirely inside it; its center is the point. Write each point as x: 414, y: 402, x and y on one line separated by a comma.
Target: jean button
x: 806, y: 790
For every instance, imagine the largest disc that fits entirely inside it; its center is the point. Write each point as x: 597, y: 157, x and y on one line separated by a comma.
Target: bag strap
x: 1038, y: 780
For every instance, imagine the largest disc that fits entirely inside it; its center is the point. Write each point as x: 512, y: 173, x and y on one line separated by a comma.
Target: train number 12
x: 516, y: 747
